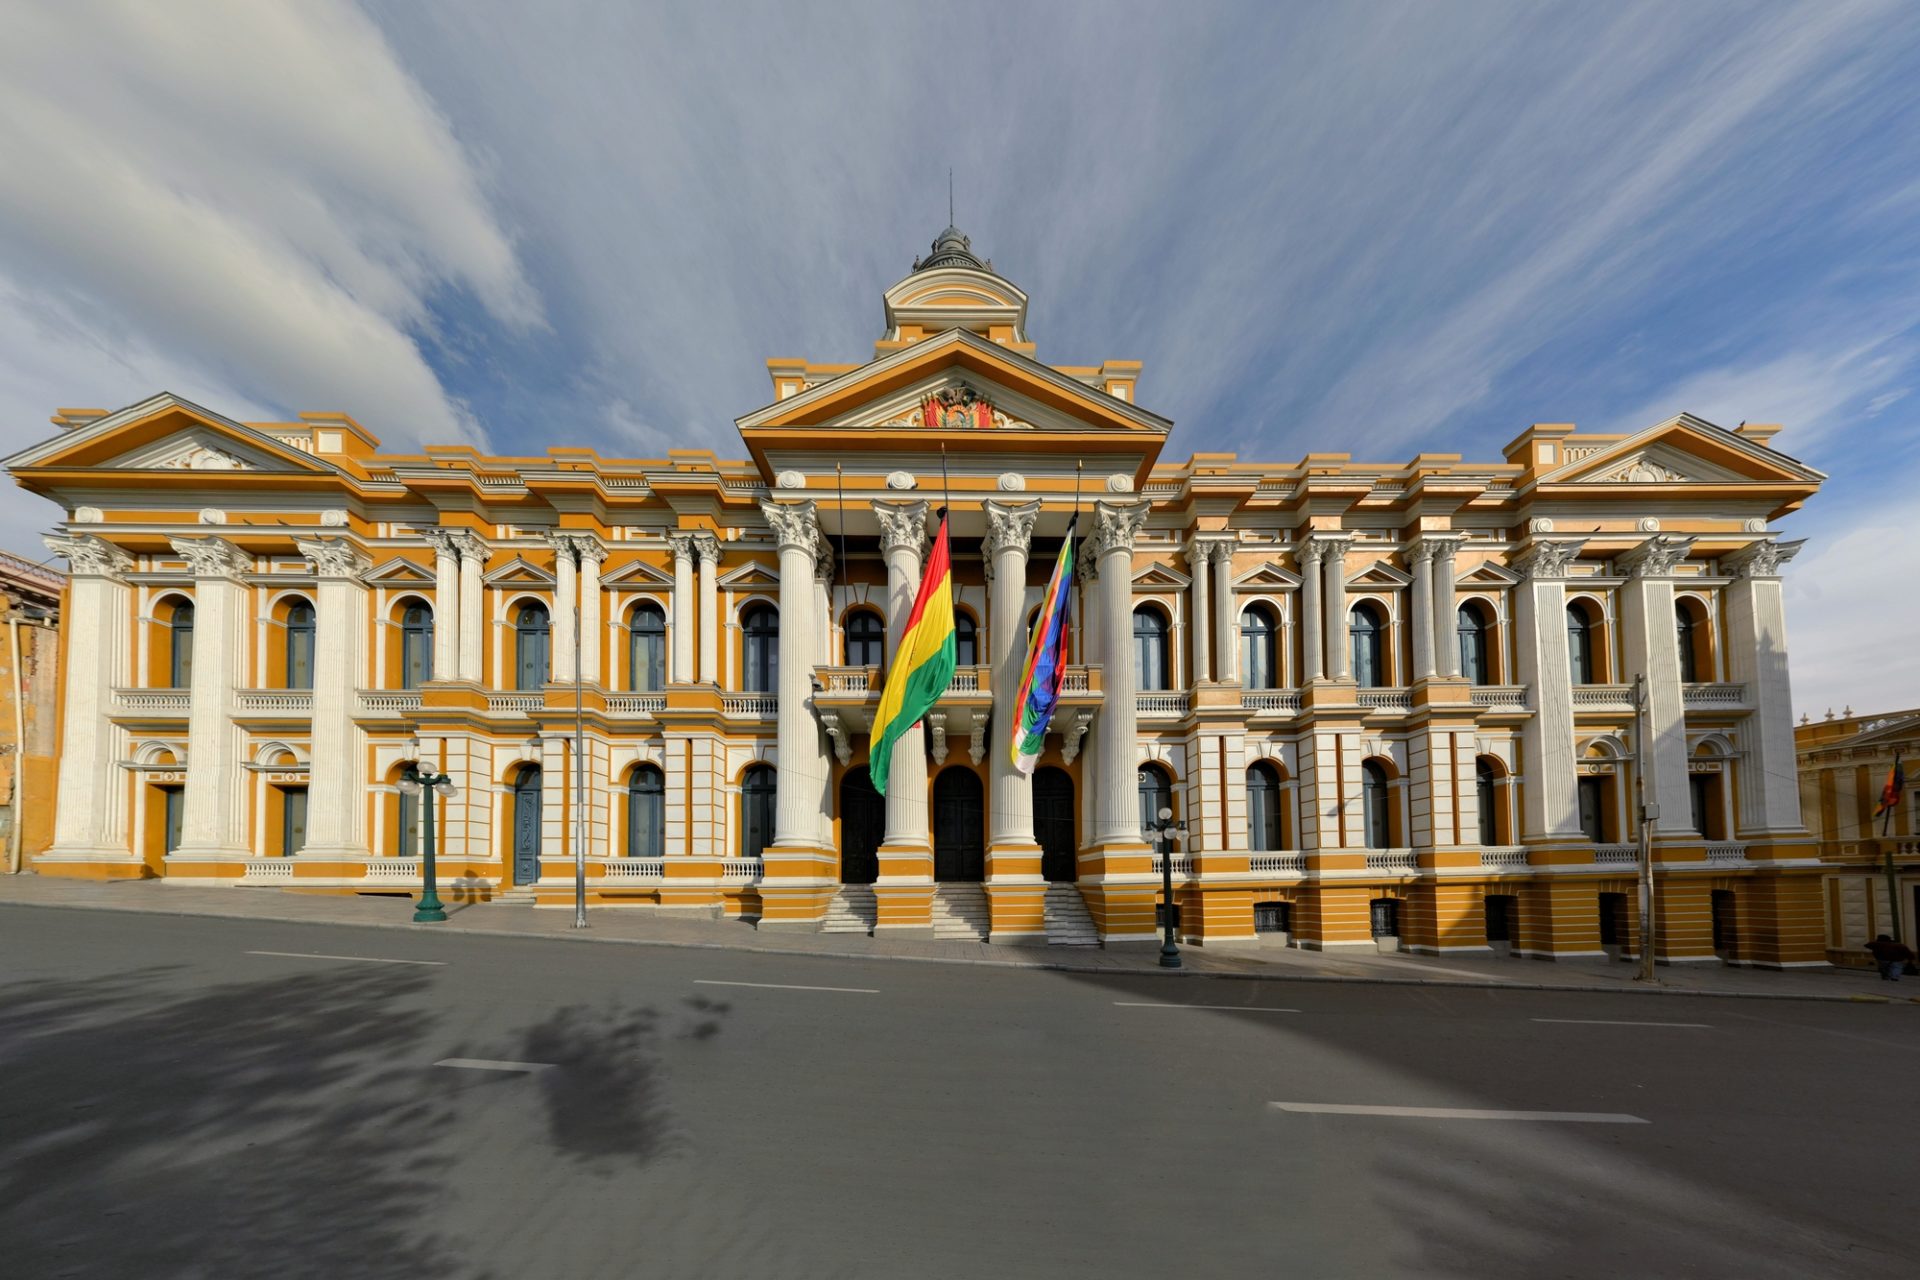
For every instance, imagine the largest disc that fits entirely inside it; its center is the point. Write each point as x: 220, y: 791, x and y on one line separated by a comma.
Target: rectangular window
x: 176, y: 807
x: 1593, y: 809
x: 293, y: 820
x: 1700, y: 798
x: 1273, y: 917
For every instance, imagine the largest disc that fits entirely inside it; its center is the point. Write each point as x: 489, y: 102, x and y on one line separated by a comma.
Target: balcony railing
x: 636, y: 704
x: 509, y: 703
x: 282, y: 701
x: 1286, y: 701
x: 1392, y: 860
x: 1387, y: 699
x: 1079, y: 680
x: 1616, y: 855
x: 1285, y: 864
x: 741, y: 869
x: 392, y: 868
x: 1500, y: 697
x: 1726, y: 853
x: 750, y: 706
x: 268, y: 870
x: 1182, y: 864
x: 1507, y: 859
x: 389, y: 701
x: 1714, y: 695
x: 153, y: 702
x: 848, y: 680
x: 1163, y: 705
x: 636, y: 868
x: 1602, y: 697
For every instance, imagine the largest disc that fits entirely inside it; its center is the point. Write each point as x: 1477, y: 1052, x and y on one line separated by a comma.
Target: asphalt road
x: 174, y: 1101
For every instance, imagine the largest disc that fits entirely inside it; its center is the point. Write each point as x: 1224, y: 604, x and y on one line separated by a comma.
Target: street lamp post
x: 416, y: 780
x: 1165, y: 834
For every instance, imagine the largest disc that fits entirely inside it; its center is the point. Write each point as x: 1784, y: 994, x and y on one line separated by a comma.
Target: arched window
x: 866, y: 639
x: 761, y: 625
x: 1691, y: 634
x: 1366, y: 632
x: 1485, y: 794
x: 1150, y: 648
x: 1264, y: 832
x: 300, y: 645
x: 1156, y: 793
x: 531, y: 646
x: 1580, y: 642
x: 646, y: 813
x: 1261, y: 669
x: 416, y: 646
x: 180, y: 645
x: 1374, y: 801
x: 647, y: 647
x: 1473, y: 644
x: 757, y: 792
x: 966, y: 640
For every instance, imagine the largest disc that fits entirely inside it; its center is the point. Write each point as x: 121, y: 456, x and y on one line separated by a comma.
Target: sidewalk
x: 647, y: 928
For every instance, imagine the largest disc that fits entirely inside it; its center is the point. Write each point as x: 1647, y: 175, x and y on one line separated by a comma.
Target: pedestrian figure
x: 1891, y: 956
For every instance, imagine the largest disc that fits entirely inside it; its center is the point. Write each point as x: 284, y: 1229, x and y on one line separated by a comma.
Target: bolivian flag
x: 922, y: 665
x: 1895, y: 784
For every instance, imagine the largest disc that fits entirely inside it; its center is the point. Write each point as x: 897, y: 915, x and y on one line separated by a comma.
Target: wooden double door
x: 959, y: 826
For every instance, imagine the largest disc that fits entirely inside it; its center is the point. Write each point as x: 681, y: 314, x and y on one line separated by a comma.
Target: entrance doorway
x: 526, y: 825
x: 1053, y: 816
x: 863, y: 824
x: 959, y: 826
x: 1726, y: 932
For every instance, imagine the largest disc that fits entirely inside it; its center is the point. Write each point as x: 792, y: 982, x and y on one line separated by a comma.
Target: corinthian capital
x: 580, y: 546
x: 1761, y: 559
x: 1656, y: 557
x: 90, y: 557
x: 1010, y: 526
x: 681, y: 542
x: 903, y: 526
x: 1548, y: 559
x: 213, y: 557
x: 794, y: 525
x: 1434, y: 546
x: 1115, y: 524
x: 333, y: 557
x: 706, y: 547
x: 464, y: 543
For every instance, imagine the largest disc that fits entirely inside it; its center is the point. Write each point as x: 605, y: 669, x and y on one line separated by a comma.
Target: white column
x: 803, y: 769
x: 473, y: 564
x: 822, y: 649
x: 1226, y: 616
x: 566, y: 593
x: 1420, y: 556
x: 1650, y: 645
x: 1757, y: 658
x: 593, y: 554
x: 1312, y: 628
x: 446, y: 606
x: 1092, y: 653
x: 1446, y: 622
x: 1009, y: 531
x: 1552, y: 805
x: 903, y: 531
x: 1334, y: 569
x: 213, y: 823
x: 1117, y: 816
x: 707, y: 548
x: 337, y: 783
x: 1198, y: 554
x: 89, y: 814
x: 683, y: 625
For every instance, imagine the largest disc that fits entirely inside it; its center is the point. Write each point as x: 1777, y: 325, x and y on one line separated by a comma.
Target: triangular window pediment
x: 1160, y: 577
x: 637, y: 574
x: 396, y: 572
x: 1271, y: 576
x: 1487, y: 575
x: 198, y: 448
x: 751, y: 575
x: 1379, y: 575
x: 166, y: 433
x: 519, y: 573
x: 1683, y: 450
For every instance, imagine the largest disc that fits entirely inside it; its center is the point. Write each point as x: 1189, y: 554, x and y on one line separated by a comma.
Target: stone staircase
x: 853, y: 910
x: 519, y: 895
x: 960, y: 913
x: 1068, y: 922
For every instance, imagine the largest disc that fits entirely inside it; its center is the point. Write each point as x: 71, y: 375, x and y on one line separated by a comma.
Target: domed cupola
x: 952, y: 249
x: 955, y: 288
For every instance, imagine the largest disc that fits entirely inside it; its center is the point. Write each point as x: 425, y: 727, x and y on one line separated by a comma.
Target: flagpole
x: 1886, y: 848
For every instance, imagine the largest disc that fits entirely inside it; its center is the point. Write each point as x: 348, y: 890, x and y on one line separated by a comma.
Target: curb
x: 1051, y: 966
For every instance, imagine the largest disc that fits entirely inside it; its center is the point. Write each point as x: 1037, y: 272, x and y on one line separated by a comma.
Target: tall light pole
x: 573, y: 548
x: 1165, y: 834
x: 1649, y: 814
x: 423, y: 782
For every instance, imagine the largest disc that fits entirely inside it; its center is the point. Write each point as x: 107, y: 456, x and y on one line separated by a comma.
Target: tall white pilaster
x: 1092, y: 652
x: 473, y: 564
x: 1420, y: 556
x: 1546, y: 740
x: 593, y: 553
x: 1446, y: 622
x: 566, y: 595
x: 446, y: 605
x: 1009, y: 532
x: 1651, y: 645
x: 1226, y: 617
x: 1757, y: 657
x: 1334, y: 572
x: 1198, y: 557
x: 707, y: 548
x: 89, y: 816
x: 337, y: 783
x: 1117, y: 817
x: 803, y: 766
x: 683, y: 624
x: 213, y: 823
x: 1312, y: 626
x: 903, y: 532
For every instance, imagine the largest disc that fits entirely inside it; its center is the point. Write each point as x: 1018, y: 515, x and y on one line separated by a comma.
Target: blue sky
x: 1370, y: 228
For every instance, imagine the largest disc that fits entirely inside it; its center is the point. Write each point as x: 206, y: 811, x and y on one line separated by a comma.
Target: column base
x: 1013, y: 861
x: 1017, y: 909
x: 904, y: 905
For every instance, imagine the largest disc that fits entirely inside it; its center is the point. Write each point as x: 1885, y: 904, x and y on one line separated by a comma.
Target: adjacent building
x: 29, y: 706
x: 1871, y: 856
x: 1388, y: 699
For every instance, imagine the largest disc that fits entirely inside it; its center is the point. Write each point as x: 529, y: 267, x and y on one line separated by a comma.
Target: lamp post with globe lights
x: 420, y: 780
x: 1165, y: 834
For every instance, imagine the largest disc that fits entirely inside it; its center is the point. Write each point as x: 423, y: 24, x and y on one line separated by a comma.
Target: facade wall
x: 1870, y: 856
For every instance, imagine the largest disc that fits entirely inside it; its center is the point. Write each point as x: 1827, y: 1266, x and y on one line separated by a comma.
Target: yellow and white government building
x: 1390, y: 701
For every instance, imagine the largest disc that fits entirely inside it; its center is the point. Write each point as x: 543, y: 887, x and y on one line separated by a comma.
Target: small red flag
x: 1896, y: 783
